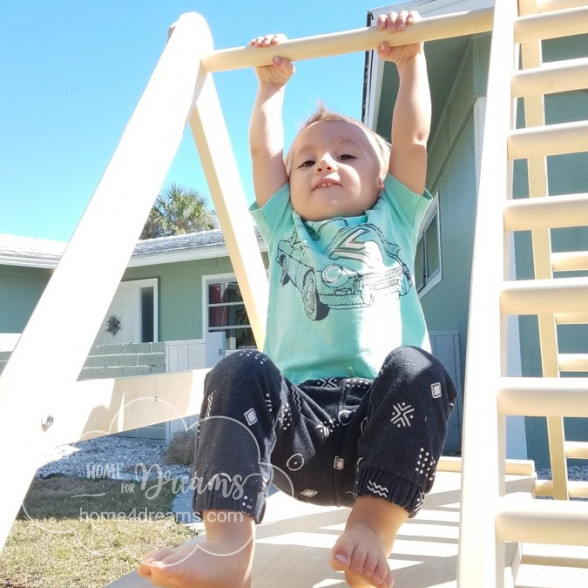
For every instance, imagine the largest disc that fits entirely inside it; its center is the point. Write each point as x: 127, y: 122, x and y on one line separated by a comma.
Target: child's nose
x: 326, y: 163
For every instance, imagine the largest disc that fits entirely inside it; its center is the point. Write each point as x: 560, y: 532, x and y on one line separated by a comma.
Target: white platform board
x: 293, y: 542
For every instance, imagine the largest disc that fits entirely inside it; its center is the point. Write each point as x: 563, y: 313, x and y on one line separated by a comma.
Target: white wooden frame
x: 46, y: 406
x: 180, y: 91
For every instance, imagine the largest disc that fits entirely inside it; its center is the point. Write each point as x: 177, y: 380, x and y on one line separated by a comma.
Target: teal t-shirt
x: 342, y: 293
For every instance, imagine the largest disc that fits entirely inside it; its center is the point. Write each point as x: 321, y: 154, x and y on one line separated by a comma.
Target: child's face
x: 334, y: 171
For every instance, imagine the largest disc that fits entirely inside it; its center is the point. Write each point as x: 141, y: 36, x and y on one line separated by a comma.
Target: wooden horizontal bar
x: 569, y: 261
x: 577, y: 450
x: 351, y: 41
x: 573, y: 362
x: 543, y: 397
x: 524, y: 297
x: 556, y: 139
x: 571, y: 318
x: 551, y: 25
x: 513, y: 467
x: 552, y: 77
x: 94, y: 408
x: 542, y: 521
x: 552, y: 5
x: 575, y: 489
x: 546, y: 212
x: 567, y: 556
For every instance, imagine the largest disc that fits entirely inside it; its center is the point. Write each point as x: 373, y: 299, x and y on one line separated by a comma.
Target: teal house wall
x: 458, y: 73
x: 181, y: 294
x: 20, y: 290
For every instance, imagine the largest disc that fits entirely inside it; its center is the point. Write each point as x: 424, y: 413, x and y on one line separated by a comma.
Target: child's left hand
x: 281, y: 70
x: 396, y: 22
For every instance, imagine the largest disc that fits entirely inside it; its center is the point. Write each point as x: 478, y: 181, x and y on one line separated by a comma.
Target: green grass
x: 83, y: 533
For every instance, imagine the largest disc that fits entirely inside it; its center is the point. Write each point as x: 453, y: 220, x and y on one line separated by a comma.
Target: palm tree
x: 177, y: 211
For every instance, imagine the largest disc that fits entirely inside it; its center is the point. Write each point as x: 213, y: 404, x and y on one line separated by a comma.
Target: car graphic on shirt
x: 359, y: 268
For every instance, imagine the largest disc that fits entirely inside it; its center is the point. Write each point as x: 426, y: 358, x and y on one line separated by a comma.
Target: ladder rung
x: 556, y: 139
x: 555, y: 76
x: 573, y: 362
x: 563, y: 295
x: 575, y: 489
x: 546, y: 212
x: 552, y: 5
x: 569, y: 556
x: 550, y: 25
x: 577, y: 450
x: 569, y: 261
x: 542, y: 521
x: 571, y: 318
x: 543, y: 397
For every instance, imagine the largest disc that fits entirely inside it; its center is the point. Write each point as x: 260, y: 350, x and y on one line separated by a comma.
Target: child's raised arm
x: 411, y: 119
x: 266, y: 132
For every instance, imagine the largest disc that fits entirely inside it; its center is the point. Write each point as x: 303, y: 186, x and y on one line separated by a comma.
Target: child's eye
x: 346, y: 156
x: 307, y: 163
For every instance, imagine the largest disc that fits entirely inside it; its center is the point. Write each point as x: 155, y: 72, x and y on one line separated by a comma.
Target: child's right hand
x: 397, y: 22
x: 280, y: 71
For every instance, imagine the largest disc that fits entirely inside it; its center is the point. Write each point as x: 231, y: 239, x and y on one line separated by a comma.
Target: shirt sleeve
x: 408, y: 205
x: 276, y: 212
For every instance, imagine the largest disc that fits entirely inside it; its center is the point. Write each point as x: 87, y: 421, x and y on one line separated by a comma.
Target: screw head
x: 47, y: 422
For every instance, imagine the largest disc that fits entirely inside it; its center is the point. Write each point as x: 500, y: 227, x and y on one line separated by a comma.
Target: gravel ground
x: 577, y: 473
x: 123, y: 457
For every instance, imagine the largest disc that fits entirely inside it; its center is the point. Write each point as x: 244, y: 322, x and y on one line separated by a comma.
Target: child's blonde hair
x: 381, y: 145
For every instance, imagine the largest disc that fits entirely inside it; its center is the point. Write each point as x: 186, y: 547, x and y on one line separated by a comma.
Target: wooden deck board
x: 293, y: 542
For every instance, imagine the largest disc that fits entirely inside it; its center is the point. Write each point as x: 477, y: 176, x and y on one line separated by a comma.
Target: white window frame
x: 432, y: 215
x: 211, y: 279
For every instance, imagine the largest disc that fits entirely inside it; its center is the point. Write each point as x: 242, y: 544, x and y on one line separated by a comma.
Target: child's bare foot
x: 363, y: 548
x: 359, y: 554
x: 222, y: 561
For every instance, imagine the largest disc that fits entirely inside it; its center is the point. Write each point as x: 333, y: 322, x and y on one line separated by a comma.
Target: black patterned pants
x: 324, y: 441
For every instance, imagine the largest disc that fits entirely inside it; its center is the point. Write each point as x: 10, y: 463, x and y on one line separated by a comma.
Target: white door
x: 121, y: 323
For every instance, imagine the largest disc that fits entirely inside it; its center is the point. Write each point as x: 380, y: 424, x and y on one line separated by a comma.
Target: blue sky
x: 72, y: 72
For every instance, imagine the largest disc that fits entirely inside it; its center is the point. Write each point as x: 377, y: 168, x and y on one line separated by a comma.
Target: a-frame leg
x: 56, y: 341
x: 216, y: 154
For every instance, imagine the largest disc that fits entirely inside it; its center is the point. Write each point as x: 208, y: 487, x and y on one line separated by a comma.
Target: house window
x: 428, y: 254
x: 226, y: 313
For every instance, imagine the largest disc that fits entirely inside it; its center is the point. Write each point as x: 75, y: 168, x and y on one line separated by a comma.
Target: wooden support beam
x: 93, y: 408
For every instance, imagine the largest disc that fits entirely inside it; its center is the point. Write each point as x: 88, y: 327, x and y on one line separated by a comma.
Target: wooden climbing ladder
x: 47, y: 406
x: 490, y: 520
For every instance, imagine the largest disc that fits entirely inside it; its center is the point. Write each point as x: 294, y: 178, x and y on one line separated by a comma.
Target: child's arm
x: 266, y: 133
x: 411, y: 119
